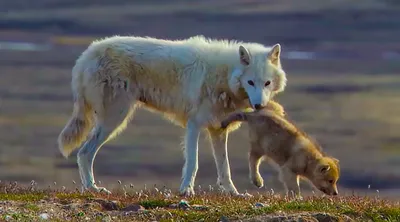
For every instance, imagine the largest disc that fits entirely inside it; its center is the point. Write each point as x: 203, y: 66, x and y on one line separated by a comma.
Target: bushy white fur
x: 194, y: 82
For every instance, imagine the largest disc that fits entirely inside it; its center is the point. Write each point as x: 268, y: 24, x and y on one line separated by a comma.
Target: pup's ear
x: 323, y: 168
x: 244, y: 56
x: 275, y: 54
x: 335, y: 160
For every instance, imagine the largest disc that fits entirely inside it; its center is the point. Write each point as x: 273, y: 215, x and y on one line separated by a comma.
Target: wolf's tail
x: 77, y: 128
x: 234, y: 117
x: 81, y: 121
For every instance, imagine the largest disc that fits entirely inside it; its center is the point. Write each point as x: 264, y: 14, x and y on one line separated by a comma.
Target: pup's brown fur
x: 292, y: 151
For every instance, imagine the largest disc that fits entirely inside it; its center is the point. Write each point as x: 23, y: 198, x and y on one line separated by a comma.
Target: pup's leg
x: 113, y: 112
x: 219, y: 142
x: 191, y: 158
x: 290, y: 181
x: 233, y: 117
x: 255, y: 159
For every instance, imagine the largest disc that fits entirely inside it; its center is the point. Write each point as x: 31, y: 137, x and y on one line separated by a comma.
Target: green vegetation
x: 25, y: 204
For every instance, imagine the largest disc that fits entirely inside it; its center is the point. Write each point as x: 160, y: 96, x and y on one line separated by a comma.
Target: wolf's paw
x: 229, y: 192
x: 187, y: 192
x: 227, y: 187
x: 97, y: 189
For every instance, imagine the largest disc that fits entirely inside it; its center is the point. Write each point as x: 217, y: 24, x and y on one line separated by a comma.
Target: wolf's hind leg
x: 112, y: 117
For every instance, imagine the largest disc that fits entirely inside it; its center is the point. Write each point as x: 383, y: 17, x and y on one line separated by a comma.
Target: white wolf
x: 194, y: 82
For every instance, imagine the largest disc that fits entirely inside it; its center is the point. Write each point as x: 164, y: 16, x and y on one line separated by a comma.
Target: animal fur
x: 289, y: 149
x: 189, y: 81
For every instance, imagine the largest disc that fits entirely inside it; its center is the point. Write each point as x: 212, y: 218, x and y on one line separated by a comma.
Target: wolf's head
x: 260, y: 75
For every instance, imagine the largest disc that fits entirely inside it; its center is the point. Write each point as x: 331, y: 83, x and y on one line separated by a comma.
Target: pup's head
x: 260, y: 75
x: 326, y: 175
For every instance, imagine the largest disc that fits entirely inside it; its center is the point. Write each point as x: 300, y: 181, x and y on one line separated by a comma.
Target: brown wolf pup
x: 291, y: 150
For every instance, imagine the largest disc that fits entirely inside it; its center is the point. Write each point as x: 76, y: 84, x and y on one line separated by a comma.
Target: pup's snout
x: 257, y: 106
x: 328, y: 192
x: 325, y: 191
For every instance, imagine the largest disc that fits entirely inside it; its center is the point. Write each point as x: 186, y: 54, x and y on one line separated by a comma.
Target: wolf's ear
x: 275, y: 54
x: 244, y: 56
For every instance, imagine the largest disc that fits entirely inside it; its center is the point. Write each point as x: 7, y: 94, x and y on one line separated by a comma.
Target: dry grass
x: 129, y: 203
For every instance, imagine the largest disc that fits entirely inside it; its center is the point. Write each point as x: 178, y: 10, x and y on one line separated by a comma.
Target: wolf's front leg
x: 219, y: 141
x: 191, y: 158
x: 290, y: 181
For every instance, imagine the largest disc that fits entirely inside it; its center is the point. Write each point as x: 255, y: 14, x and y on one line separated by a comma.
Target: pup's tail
x: 77, y: 128
x: 234, y: 117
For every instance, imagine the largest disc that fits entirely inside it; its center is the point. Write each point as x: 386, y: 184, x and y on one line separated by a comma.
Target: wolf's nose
x: 257, y: 106
x: 335, y: 193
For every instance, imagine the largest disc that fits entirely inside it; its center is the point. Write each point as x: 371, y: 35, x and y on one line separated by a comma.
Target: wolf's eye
x: 330, y: 181
x: 250, y: 83
x: 267, y: 83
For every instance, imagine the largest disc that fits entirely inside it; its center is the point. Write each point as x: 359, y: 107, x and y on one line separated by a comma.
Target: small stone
x: 223, y: 219
x: 325, y: 217
x: 99, y: 214
x: 108, y: 205
x: 129, y: 213
x: 106, y: 218
x: 173, y: 206
x: 68, y: 206
x: 184, y: 204
x: 133, y: 207
x: 92, y: 205
x: 44, y: 216
x: 260, y: 205
x: 199, y: 207
x: 307, y: 219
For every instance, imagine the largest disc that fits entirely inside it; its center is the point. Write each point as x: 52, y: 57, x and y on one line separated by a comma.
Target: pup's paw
x: 257, y: 181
